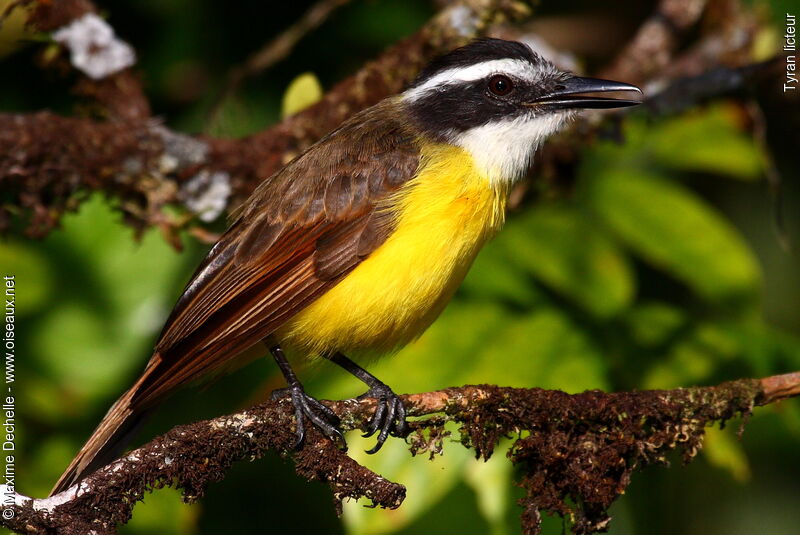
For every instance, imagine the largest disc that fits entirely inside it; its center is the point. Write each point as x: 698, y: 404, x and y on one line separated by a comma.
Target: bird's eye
x: 500, y: 85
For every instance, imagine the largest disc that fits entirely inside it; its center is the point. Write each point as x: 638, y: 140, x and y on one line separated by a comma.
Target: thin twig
x: 654, y: 43
x: 779, y: 387
x: 271, y: 53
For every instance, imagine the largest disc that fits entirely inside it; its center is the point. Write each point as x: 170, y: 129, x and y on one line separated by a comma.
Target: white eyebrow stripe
x: 515, y: 67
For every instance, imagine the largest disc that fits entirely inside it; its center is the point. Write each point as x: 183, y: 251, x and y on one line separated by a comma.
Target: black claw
x: 376, y: 420
x: 388, y: 424
x: 401, y: 429
x: 321, y: 416
x: 371, y: 429
x: 324, y: 409
x: 389, y: 416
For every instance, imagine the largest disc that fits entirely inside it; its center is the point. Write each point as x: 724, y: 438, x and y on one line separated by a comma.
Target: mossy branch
x: 570, y: 448
x: 52, y: 162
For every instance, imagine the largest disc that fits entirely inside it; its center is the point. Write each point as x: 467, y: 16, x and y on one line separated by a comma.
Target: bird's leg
x: 390, y: 414
x: 304, y: 405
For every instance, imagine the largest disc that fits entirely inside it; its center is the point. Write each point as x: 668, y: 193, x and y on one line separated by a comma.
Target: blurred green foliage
x: 646, y: 275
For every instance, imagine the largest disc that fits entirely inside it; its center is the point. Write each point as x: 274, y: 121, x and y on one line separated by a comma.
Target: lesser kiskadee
x: 356, y: 245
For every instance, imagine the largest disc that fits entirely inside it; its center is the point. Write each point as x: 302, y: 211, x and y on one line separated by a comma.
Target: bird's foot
x: 321, y: 416
x: 389, y: 415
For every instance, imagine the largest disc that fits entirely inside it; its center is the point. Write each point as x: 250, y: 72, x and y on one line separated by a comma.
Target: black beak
x: 576, y: 93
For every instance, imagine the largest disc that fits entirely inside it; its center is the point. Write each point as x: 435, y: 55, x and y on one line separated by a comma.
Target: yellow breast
x: 445, y: 214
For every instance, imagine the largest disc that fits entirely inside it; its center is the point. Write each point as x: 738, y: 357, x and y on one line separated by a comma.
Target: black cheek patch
x: 458, y: 107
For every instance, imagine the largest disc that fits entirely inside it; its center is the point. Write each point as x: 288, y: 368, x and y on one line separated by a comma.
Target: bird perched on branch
x: 356, y: 246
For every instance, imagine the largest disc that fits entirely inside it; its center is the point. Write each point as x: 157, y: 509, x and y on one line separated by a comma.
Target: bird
x: 354, y: 247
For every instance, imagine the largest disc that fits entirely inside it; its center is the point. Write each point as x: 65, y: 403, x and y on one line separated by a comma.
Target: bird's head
x: 499, y: 100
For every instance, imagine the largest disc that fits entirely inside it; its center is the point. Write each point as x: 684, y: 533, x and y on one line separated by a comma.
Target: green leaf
x: 89, y: 363
x: 766, y: 349
x: 48, y: 457
x: 33, y: 279
x: 566, y: 251
x: 709, y: 140
x: 427, y: 482
x: 437, y: 360
x: 302, y: 92
x: 694, y: 358
x: 543, y: 349
x: 480, y: 343
x: 723, y: 450
x: 492, y: 482
x: 494, y: 277
x: 113, y: 300
x: 239, y: 115
x: 651, y: 324
x: 674, y: 230
x: 685, y: 365
x: 162, y: 512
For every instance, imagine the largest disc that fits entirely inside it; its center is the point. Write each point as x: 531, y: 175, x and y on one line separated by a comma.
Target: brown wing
x: 298, y: 234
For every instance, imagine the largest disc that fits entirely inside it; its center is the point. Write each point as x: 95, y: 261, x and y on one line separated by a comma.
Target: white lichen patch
x: 94, y: 49
x: 239, y: 421
x: 180, y: 150
x: 206, y: 194
x: 50, y: 503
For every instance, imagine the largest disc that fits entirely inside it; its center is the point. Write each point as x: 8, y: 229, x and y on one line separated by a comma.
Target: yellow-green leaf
x: 302, y: 92
x: 163, y: 512
x: 13, y: 31
x: 443, y: 355
x: 724, y: 451
x: 693, y: 358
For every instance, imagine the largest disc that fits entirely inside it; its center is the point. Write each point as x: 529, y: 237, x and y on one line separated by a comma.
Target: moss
x: 579, y: 451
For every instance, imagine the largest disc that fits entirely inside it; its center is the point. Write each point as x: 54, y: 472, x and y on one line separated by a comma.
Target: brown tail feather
x: 107, y: 441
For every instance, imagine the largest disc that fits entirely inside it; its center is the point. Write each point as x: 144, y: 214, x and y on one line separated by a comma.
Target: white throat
x: 503, y: 150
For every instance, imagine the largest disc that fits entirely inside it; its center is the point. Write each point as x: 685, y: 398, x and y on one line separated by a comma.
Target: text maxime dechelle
x: 9, y: 411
